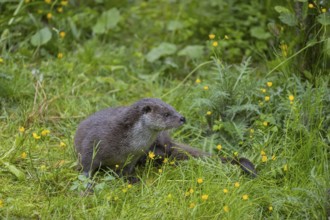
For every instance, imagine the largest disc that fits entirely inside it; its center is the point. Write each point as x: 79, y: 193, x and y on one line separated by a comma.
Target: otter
x: 118, y: 137
x: 165, y: 147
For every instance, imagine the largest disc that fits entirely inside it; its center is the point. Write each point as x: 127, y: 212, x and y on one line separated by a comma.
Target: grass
x: 39, y: 179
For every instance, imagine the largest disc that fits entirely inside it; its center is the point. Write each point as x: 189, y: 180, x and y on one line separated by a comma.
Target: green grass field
x: 260, y: 108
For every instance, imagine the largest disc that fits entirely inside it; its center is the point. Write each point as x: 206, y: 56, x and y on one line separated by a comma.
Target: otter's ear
x: 146, y: 109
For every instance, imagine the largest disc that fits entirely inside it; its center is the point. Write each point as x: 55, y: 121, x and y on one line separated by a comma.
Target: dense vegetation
x: 252, y: 78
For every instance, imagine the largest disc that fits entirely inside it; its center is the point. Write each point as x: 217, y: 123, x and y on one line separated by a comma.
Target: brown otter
x: 120, y: 136
x: 164, y: 147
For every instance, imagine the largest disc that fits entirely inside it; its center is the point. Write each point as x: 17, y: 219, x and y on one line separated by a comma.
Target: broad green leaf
x: 14, y: 170
x: 281, y: 9
x: 109, y: 19
x: 289, y: 19
x: 164, y: 49
x: 41, y: 37
x: 324, y: 19
x: 174, y: 25
x: 259, y: 33
x: 192, y: 51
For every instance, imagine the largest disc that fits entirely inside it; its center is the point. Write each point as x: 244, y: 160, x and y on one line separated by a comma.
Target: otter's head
x: 159, y: 116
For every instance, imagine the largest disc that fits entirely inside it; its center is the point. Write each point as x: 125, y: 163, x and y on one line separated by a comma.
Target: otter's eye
x: 167, y: 115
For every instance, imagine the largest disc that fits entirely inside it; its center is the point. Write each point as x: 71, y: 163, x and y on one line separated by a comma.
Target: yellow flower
x: 49, y: 15
x: 23, y: 155
x: 124, y: 190
x: 236, y: 184
x: 35, y: 136
x: 208, y: 113
x: 273, y: 157
x: 265, y: 123
x: 205, y: 197
x: 269, y: 84
x: 323, y: 10
x: 200, y: 180
x: 267, y: 98
x: 27, y: 1
x: 235, y: 153
x: 270, y: 208
x: 226, y: 208
x: 285, y: 167
x: 62, y: 144
x: 245, y: 197
x: 129, y: 186
x: 45, y: 132
x: 198, y: 81
x: 165, y: 160
x: 1, y: 60
x: 251, y: 130
x: 226, y: 37
x: 263, y: 90
x: 117, y: 166
x: 1, y: 203
x: 192, y: 205
x: 291, y: 98
x: 21, y: 129
x: 219, y: 147
x: 62, y: 34
x: 151, y: 155
x: 59, y: 9
x: 48, y: 1
x: 160, y: 170
x: 264, y: 158
x: 169, y: 196
x: 60, y: 55
x: 191, y: 190
x: 64, y: 2
x: 206, y: 88
x: 211, y: 36
x: 262, y: 153
x: 225, y: 191
x: 310, y: 5
x: 215, y: 44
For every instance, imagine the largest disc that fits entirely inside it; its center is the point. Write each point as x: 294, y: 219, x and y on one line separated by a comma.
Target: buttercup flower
x: 273, y: 157
x: 219, y: 147
x: 226, y: 37
x: 1, y: 60
x: 323, y: 10
x: 129, y: 186
x: 49, y: 16
x: 60, y: 55
x: 35, y: 136
x: 263, y: 90
x: 59, y: 9
x: 226, y: 208
x: 270, y: 208
x: 205, y: 197
x: 236, y: 184
x: 1, y: 203
x: 267, y: 98
x: 21, y: 129
x: 198, y: 81
x: 265, y: 123
x: 225, y: 191
x: 192, y: 205
x: 211, y: 36
x: 62, y: 144
x: 215, y: 44
x: 200, y: 180
x: 62, y: 34
x: 48, y: 1
x: 208, y: 113
x: 285, y: 167
x: 23, y: 155
x: 151, y: 155
x: 206, y: 88
x: 291, y: 98
x: 269, y: 84
x: 165, y: 160
x: 45, y: 132
x: 310, y: 5
x: 245, y: 197
x: 264, y: 158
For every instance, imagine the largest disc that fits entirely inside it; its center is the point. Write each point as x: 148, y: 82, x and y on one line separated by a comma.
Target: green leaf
x: 281, y: 9
x: 324, y: 19
x: 259, y: 33
x: 164, y: 49
x: 174, y: 25
x: 41, y: 37
x: 109, y: 19
x: 192, y: 51
x: 14, y: 170
x: 289, y: 19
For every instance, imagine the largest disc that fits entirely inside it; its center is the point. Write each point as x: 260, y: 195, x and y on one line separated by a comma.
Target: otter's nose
x: 183, y: 119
